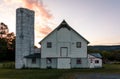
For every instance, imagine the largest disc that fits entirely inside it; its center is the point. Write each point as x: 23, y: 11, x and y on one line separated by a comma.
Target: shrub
x: 8, y: 65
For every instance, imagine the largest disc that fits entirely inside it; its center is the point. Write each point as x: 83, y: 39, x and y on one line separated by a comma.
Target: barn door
x: 63, y: 63
x: 64, y: 51
x: 92, y: 64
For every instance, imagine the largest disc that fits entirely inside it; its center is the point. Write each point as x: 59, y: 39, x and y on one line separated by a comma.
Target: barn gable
x: 64, y: 25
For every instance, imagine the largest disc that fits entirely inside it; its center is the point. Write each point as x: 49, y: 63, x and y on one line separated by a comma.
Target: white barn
x: 63, y: 48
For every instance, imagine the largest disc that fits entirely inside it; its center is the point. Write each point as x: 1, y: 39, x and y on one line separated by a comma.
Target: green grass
x: 6, y: 73
x: 29, y: 74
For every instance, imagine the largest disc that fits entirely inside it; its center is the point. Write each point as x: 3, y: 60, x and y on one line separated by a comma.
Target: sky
x: 96, y: 20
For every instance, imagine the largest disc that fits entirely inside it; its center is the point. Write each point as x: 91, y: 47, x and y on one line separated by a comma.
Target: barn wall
x: 64, y: 38
x: 49, y: 52
x: 63, y: 35
x: 29, y: 63
x: 45, y: 65
x: 97, y: 65
x: 84, y: 63
x: 78, y: 52
x: 53, y: 64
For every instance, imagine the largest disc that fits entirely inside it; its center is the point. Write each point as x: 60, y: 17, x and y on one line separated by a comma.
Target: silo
x: 24, y: 35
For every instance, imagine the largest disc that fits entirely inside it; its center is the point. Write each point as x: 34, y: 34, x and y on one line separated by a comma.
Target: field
x: 11, y: 73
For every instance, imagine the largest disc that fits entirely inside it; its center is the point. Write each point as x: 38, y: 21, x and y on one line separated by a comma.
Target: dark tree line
x: 7, y: 44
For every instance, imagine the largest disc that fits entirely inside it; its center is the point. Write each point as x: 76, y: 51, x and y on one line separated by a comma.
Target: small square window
x: 78, y: 61
x: 33, y: 60
x: 49, y: 45
x: 49, y: 60
x: 78, y: 44
x: 96, y: 61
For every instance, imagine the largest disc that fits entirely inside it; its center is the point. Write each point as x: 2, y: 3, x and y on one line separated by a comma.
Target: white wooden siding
x: 64, y: 38
x: 63, y: 44
x: 84, y: 63
x: 63, y: 63
x: 63, y: 35
x: 97, y: 65
x: 49, y: 52
x: 44, y: 63
x: 78, y: 52
x: 29, y: 63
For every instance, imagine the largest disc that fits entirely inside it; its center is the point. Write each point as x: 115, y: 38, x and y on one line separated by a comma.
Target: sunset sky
x: 96, y: 20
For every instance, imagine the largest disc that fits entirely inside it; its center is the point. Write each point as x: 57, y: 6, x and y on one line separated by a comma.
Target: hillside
x: 104, y: 47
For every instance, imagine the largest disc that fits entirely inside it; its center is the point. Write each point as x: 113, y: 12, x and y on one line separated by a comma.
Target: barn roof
x: 34, y: 55
x: 64, y: 25
x: 97, y: 55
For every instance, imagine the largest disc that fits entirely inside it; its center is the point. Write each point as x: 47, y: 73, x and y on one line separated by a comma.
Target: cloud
x: 38, y: 7
x: 11, y: 1
x: 42, y: 31
x: 45, y: 30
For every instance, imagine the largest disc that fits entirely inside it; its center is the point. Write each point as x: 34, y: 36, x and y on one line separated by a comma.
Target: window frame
x: 78, y: 61
x: 49, y: 44
x: 33, y: 61
x: 78, y: 44
x: 96, y: 61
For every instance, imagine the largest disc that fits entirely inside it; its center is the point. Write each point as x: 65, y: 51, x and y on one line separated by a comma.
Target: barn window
x: 49, y: 45
x: 78, y: 44
x: 49, y: 60
x: 33, y: 60
x: 78, y: 61
x: 96, y: 61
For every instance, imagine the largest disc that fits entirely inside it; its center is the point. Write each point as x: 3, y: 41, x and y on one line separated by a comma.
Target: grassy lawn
x: 53, y: 73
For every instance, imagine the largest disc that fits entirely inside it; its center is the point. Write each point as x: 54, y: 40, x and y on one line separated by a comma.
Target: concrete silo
x: 24, y: 35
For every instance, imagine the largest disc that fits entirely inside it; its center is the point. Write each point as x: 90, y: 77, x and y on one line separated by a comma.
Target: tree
x: 116, y: 55
x: 3, y: 30
x: 3, y: 45
x: 7, y: 44
x: 10, y: 40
